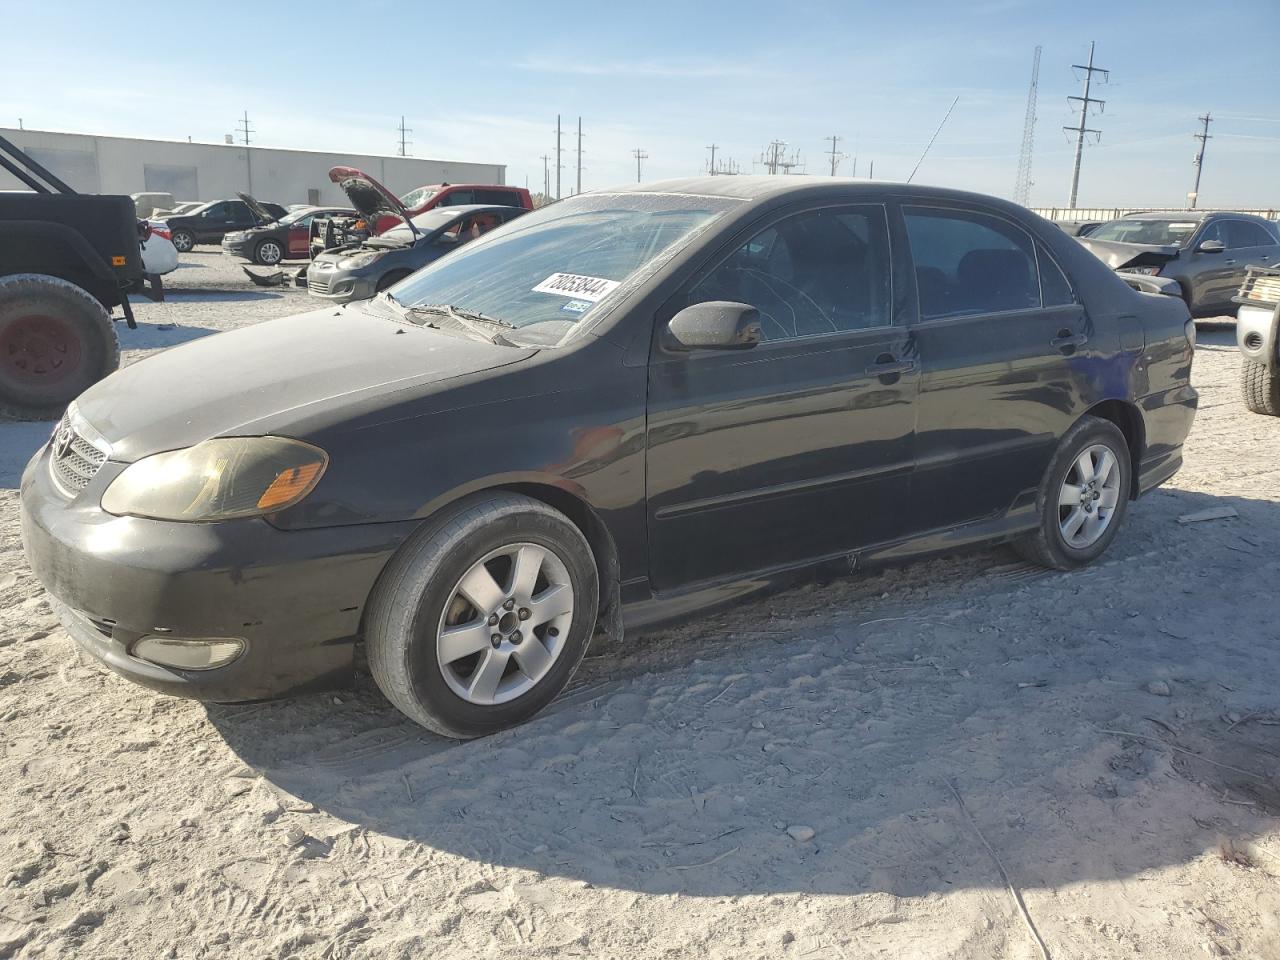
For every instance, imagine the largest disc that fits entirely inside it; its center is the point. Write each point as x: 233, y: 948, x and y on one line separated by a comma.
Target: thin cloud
x: 643, y: 68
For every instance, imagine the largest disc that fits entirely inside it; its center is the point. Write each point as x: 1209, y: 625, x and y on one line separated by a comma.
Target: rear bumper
x: 294, y: 598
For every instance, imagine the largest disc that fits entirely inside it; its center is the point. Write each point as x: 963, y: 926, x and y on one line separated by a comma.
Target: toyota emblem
x: 62, y: 442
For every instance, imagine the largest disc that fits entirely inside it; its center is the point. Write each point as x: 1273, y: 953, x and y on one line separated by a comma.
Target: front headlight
x: 218, y: 480
x: 357, y: 260
x: 1148, y: 271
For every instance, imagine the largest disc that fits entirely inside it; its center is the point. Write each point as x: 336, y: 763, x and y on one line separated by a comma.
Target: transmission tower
x: 1204, y: 137
x: 1022, y: 184
x: 1083, y: 129
x: 404, y: 144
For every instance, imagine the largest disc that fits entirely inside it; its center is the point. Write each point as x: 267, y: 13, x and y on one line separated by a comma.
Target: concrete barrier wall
x: 97, y: 164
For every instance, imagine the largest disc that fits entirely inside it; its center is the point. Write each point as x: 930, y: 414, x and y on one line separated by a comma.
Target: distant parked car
x: 358, y: 271
x: 148, y: 203
x: 210, y: 222
x: 338, y: 231
x: 178, y: 209
x: 1205, y: 253
x: 287, y: 238
x: 1079, y: 228
x: 159, y: 256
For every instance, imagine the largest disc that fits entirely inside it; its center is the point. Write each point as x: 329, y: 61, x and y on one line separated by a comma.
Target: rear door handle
x: 1229, y: 261
x: 887, y: 364
x: 1066, y: 338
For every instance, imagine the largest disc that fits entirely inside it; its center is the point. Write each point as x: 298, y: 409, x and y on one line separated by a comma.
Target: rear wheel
x: 183, y: 240
x: 481, y: 619
x: 56, y: 341
x: 1261, y: 388
x: 1082, y: 498
x: 269, y: 253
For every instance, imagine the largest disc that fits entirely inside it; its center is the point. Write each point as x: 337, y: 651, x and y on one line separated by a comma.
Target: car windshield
x: 1159, y: 232
x: 544, y: 272
x: 419, y: 196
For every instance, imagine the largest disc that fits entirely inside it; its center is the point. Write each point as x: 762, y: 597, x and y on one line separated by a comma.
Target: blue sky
x: 484, y: 82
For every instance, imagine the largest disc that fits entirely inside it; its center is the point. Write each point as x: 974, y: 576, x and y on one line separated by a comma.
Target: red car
x: 357, y: 184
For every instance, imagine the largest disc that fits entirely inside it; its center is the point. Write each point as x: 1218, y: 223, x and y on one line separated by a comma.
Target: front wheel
x: 1082, y: 498
x: 269, y: 253
x: 482, y: 618
x: 1261, y: 388
x: 183, y: 240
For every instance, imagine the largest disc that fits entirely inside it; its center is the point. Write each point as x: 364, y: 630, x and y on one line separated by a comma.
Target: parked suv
x: 612, y: 411
x: 210, y: 222
x: 1204, y: 253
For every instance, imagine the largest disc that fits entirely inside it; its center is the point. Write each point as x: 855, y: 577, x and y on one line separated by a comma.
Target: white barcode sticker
x: 593, y: 289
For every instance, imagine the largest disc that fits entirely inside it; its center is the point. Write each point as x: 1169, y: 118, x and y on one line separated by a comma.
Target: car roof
x: 760, y: 187
x: 1191, y: 215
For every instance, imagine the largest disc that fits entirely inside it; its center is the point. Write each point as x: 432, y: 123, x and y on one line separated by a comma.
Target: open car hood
x: 1116, y: 254
x: 260, y: 213
x: 367, y: 195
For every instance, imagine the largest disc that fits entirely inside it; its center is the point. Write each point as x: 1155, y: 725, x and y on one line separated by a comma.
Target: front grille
x: 73, y: 460
x: 1262, y: 287
x: 318, y: 282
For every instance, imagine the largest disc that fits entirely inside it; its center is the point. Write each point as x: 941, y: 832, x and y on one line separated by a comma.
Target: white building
x: 216, y: 171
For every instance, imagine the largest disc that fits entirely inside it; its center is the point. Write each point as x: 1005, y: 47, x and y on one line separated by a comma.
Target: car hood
x: 367, y: 195
x: 1116, y: 254
x: 259, y: 379
x: 264, y: 215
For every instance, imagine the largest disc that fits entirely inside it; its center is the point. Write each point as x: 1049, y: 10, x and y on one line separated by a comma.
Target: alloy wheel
x: 505, y: 624
x: 269, y: 252
x: 1088, y: 497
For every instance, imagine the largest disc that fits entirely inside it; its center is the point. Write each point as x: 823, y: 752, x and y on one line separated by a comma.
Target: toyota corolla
x: 613, y: 411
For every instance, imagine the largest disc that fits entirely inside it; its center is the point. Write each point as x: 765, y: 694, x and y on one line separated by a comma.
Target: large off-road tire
x: 1261, y: 388
x: 1083, y: 497
x: 183, y: 240
x: 56, y: 341
x: 268, y: 252
x: 482, y: 617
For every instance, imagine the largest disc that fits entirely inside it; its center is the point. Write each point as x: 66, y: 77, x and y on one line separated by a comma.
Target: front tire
x: 1083, y: 497
x: 56, y: 341
x: 183, y: 240
x: 483, y: 616
x: 1261, y: 388
x: 268, y: 253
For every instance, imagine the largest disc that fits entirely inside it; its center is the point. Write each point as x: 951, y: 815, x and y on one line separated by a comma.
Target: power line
x: 1022, y: 183
x: 404, y: 144
x: 835, y: 154
x: 931, y: 139
x: 639, y: 154
x: 244, y: 128
x: 1083, y: 129
x: 1204, y: 137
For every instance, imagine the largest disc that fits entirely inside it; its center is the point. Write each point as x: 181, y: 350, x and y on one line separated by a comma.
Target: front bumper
x: 242, y: 247
x: 1258, y: 334
x: 294, y: 597
x: 339, y: 286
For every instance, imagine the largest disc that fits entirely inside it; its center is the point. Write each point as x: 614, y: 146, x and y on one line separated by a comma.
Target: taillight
x: 162, y: 232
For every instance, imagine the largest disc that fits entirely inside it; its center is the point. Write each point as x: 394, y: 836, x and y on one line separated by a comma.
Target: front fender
x: 1258, y: 334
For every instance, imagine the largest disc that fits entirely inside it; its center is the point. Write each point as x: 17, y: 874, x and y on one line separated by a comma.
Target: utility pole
x: 1083, y: 129
x: 244, y: 128
x: 546, y: 177
x: 1203, y: 136
x: 558, y: 164
x: 579, y: 189
x: 872, y: 174
x: 404, y: 144
x: 1022, y: 183
x: 639, y: 154
x: 835, y: 156
x: 711, y: 167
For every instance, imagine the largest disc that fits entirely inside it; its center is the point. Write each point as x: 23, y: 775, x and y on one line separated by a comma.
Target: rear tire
x: 434, y: 678
x: 1068, y: 537
x: 1261, y: 388
x: 56, y: 341
x: 183, y: 240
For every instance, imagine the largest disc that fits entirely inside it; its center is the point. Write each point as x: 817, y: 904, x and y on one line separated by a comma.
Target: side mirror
x: 716, y: 325
x: 1211, y: 246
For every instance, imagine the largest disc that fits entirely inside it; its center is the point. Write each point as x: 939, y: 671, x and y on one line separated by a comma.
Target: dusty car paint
x: 674, y: 465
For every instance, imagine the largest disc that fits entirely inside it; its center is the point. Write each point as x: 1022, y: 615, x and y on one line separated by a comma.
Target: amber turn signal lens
x: 290, y: 485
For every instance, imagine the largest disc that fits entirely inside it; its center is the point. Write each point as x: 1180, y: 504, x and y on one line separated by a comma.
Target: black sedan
x: 210, y: 222
x: 612, y: 412
x: 358, y: 271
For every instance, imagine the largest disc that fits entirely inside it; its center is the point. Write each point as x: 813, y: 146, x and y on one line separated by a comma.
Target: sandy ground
x: 776, y: 782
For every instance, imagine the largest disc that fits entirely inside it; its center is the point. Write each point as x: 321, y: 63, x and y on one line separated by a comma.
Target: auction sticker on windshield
x: 593, y: 289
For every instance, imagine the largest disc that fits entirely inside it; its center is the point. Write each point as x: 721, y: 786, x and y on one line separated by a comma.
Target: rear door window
x: 499, y: 198
x: 1242, y: 233
x: 1055, y: 290
x: 457, y: 198
x: 970, y: 263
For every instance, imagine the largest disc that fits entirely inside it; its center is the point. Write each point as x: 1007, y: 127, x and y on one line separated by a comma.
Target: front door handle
x: 1067, y: 341
x: 887, y: 364
x: 1229, y: 261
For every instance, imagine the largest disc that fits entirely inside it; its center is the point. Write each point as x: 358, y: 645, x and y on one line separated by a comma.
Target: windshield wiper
x: 471, y: 320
